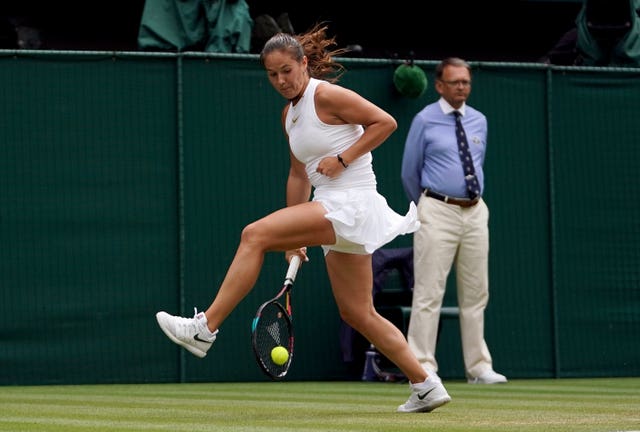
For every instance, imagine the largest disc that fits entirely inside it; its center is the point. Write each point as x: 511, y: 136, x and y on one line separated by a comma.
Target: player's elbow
x: 392, y: 124
x: 385, y: 122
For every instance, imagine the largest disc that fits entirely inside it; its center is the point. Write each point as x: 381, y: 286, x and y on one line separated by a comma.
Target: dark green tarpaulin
x: 200, y: 25
x: 609, y: 33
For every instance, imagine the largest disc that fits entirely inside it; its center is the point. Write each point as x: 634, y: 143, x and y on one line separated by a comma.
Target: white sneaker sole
x: 428, y: 408
x: 162, y: 322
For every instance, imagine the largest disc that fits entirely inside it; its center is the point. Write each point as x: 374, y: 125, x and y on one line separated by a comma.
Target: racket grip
x: 294, y: 264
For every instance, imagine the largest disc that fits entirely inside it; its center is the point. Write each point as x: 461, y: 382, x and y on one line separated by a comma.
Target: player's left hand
x: 330, y: 167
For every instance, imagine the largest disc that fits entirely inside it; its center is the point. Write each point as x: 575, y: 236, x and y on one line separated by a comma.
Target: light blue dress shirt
x: 431, y: 160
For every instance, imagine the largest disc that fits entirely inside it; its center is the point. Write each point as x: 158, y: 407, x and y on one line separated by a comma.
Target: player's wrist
x: 344, y: 164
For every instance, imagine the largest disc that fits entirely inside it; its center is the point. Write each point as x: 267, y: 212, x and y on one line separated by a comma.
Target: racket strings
x: 274, y: 332
x: 273, y: 329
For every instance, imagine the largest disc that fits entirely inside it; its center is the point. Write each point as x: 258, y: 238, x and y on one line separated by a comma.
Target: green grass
x: 602, y: 405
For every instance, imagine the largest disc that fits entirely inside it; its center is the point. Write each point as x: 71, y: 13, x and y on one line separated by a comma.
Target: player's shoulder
x: 323, y: 87
x: 327, y: 93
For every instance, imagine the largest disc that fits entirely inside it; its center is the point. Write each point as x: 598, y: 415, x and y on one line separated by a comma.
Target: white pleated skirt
x: 363, y: 220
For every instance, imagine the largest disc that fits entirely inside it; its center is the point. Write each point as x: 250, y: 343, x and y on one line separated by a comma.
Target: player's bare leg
x: 352, y: 281
x: 288, y: 228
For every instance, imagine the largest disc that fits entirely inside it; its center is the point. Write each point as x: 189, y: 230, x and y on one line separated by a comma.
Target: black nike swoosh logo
x: 196, y: 337
x: 424, y: 395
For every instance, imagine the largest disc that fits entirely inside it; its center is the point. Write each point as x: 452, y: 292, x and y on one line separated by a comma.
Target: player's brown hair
x: 316, y: 45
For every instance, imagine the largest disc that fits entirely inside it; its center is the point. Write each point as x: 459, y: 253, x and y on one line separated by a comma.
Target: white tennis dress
x: 361, y: 217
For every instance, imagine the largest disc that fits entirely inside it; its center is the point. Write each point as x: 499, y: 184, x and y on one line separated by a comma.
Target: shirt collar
x: 448, y: 109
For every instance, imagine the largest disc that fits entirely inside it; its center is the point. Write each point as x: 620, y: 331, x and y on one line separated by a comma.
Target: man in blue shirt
x: 442, y: 172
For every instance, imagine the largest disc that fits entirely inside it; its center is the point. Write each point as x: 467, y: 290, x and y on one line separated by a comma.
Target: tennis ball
x: 279, y: 355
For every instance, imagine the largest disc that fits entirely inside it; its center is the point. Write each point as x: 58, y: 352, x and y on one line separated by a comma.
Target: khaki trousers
x: 450, y: 235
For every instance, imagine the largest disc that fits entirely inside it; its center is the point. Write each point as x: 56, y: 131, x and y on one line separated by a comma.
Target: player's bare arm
x: 339, y: 105
x: 298, y: 185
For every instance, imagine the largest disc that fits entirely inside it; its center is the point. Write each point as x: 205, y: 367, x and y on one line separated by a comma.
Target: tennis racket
x: 272, y: 327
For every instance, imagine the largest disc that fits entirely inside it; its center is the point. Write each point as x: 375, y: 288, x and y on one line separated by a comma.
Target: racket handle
x: 294, y: 264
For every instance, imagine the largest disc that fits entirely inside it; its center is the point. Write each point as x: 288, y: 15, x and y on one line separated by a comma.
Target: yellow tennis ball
x: 279, y: 355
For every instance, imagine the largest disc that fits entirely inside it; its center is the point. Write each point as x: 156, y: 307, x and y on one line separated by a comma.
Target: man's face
x: 455, y: 85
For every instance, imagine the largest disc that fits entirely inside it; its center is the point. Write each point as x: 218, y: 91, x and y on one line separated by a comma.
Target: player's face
x: 455, y: 85
x: 288, y: 76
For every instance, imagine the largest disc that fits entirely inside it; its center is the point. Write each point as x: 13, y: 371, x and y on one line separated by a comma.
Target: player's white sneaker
x: 191, y: 333
x: 432, y: 374
x: 425, y: 397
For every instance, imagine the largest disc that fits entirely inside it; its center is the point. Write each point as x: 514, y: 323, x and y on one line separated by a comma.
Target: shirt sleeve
x: 412, y: 160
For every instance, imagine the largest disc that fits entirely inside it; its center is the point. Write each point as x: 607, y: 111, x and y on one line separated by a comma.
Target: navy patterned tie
x: 473, y: 188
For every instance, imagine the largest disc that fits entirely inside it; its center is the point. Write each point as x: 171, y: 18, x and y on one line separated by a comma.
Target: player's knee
x: 254, y: 235
x: 356, y: 317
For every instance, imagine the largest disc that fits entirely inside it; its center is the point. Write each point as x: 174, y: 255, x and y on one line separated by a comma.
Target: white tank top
x: 311, y: 140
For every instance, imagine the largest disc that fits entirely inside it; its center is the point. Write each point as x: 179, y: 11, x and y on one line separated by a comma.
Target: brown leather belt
x: 450, y: 200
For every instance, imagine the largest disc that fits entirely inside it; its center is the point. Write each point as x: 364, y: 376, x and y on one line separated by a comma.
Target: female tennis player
x: 331, y: 133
